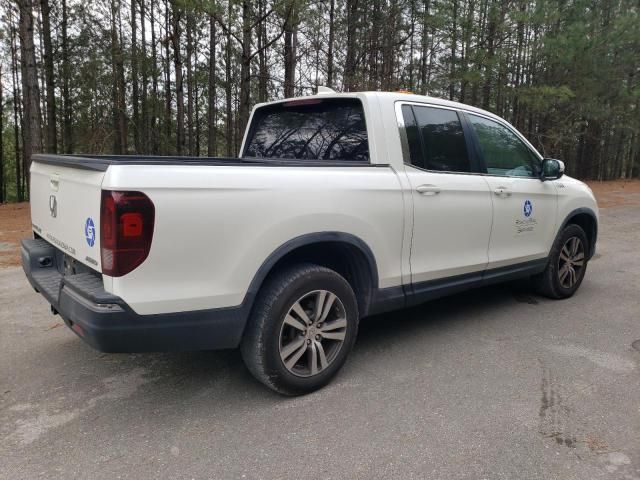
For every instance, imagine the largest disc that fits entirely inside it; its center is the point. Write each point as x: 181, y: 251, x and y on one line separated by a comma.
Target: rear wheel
x: 303, y: 326
x: 567, y: 264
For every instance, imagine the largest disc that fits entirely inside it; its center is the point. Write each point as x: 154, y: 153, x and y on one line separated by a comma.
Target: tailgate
x: 65, y: 209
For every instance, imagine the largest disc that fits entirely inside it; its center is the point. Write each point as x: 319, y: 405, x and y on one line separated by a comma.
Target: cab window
x: 315, y: 129
x: 503, y: 152
x: 436, y: 140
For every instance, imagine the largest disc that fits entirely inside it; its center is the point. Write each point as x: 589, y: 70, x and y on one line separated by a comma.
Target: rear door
x: 65, y: 209
x: 524, y: 207
x: 451, y: 203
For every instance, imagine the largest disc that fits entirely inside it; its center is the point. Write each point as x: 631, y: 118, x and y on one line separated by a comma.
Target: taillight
x: 126, y: 230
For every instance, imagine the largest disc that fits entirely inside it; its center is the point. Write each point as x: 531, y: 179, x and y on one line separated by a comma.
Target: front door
x: 451, y: 204
x: 524, y: 207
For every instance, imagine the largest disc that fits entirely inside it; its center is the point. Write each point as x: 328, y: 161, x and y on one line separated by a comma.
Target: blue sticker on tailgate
x: 90, y: 231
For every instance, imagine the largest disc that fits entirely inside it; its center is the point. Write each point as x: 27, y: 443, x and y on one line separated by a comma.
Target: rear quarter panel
x: 216, y: 225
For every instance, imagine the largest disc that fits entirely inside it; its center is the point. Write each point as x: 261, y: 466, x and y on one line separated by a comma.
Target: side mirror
x: 552, y: 169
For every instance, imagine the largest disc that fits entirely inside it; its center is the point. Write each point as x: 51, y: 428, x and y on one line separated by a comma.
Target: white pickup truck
x: 340, y: 206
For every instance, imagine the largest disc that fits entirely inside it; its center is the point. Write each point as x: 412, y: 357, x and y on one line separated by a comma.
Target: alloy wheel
x: 570, y: 262
x: 312, y: 333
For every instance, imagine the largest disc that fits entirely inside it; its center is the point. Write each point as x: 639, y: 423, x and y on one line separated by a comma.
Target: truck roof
x: 391, y: 97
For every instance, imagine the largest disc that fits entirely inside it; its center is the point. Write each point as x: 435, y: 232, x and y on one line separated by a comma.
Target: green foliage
x: 565, y: 72
x: 541, y: 99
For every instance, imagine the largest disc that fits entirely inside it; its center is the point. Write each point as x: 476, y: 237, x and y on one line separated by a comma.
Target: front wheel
x: 567, y: 264
x: 303, y: 325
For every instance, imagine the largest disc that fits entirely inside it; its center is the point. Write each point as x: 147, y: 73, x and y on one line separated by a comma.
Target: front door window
x: 503, y: 152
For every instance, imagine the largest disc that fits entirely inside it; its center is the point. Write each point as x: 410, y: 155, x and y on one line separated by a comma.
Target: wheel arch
x: 586, y: 219
x: 345, y: 253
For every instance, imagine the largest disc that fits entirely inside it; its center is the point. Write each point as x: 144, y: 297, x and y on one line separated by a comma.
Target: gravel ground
x: 494, y: 383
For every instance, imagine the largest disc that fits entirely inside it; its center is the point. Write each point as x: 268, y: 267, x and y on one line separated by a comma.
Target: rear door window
x: 436, y: 139
x: 316, y: 129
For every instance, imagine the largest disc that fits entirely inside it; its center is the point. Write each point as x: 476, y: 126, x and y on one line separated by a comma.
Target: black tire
x: 549, y: 283
x: 261, y: 345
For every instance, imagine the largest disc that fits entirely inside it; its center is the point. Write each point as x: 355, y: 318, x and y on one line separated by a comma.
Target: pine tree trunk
x: 479, y: 53
x: 117, y: 64
x: 290, y: 34
x: 17, y: 113
x: 488, y: 70
x: 42, y: 83
x: 454, y: 47
x: 515, y: 118
x: 424, y: 54
x: 374, y: 45
x: 122, y: 88
x: 167, y: 81
x: 245, y: 70
x: 155, y: 101
x: 212, y: 149
x: 350, y: 66
x: 177, y: 63
x: 190, y: 85
x: 135, y: 84
x: 227, y: 88
x: 196, y: 115
x: 31, y: 129
x: 412, y: 44
x: 67, y: 138
x: 389, y: 46
x: 466, y: 50
x: 52, y: 138
x: 263, y: 71
x: 332, y: 34
x: 350, y: 60
x: 144, y: 100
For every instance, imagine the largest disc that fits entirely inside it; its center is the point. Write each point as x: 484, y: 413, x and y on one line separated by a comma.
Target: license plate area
x: 71, y: 266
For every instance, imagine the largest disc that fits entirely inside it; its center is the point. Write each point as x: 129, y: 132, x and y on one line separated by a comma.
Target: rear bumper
x: 108, y: 324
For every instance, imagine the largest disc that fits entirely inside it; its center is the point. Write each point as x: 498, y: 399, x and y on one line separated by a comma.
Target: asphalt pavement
x: 493, y: 383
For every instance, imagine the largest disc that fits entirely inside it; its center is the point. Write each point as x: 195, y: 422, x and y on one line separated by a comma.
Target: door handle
x: 428, y: 190
x: 502, y: 192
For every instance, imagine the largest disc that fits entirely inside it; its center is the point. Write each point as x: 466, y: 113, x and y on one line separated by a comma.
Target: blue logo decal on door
x: 528, y: 208
x: 90, y: 232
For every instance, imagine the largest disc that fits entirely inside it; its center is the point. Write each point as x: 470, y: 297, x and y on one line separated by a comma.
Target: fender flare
x: 301, y: 241
x: 579, y: 211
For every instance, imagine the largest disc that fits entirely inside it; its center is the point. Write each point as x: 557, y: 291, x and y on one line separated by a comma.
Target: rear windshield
x: 316, y: 129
